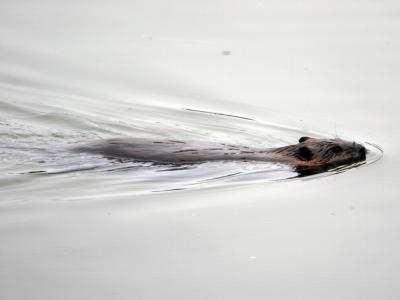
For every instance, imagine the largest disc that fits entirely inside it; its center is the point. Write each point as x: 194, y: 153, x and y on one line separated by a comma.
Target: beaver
x: 309, y: 156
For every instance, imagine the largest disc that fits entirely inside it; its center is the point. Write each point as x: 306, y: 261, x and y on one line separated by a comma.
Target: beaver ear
x: 304, y: 138
x: 303, y: 153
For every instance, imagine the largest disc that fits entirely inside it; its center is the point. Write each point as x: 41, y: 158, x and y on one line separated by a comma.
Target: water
x: 80, y: 226
x: 37, y: 142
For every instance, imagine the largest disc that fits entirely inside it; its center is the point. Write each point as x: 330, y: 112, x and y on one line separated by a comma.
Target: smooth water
x: 37, y: 142
x: 256, y: 73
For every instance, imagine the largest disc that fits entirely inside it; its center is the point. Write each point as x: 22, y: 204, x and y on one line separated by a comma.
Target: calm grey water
x: 79, y: 226
x: 37, y: 142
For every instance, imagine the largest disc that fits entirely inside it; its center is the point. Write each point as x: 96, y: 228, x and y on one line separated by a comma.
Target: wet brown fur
x: 312, y: 156
x: 309, y: 156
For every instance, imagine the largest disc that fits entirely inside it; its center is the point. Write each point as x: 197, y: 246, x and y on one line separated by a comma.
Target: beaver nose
x: 362, y: 151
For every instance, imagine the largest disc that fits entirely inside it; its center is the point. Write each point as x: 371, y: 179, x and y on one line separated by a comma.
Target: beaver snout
x: 361, y: 152
x: 355, y: 152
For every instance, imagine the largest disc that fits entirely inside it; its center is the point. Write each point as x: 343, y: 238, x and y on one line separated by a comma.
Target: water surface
x: 37, y: 141
x: 261, y: 73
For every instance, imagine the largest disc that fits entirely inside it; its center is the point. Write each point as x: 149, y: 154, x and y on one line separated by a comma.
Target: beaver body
x: 309, y: 156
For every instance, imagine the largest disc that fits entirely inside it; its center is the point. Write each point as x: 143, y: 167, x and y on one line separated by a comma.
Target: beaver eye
x: 303, y: 153
x: 303, y: 139
x: 337, y: 149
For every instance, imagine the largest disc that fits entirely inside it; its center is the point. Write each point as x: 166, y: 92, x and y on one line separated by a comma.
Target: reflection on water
x: 259, y: 73
x: 36, y: 141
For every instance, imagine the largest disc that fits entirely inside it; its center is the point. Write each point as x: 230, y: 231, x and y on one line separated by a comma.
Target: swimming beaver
x: 309, y: 156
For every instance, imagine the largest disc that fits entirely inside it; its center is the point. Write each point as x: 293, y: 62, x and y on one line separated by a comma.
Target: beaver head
x: 311, y: 156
